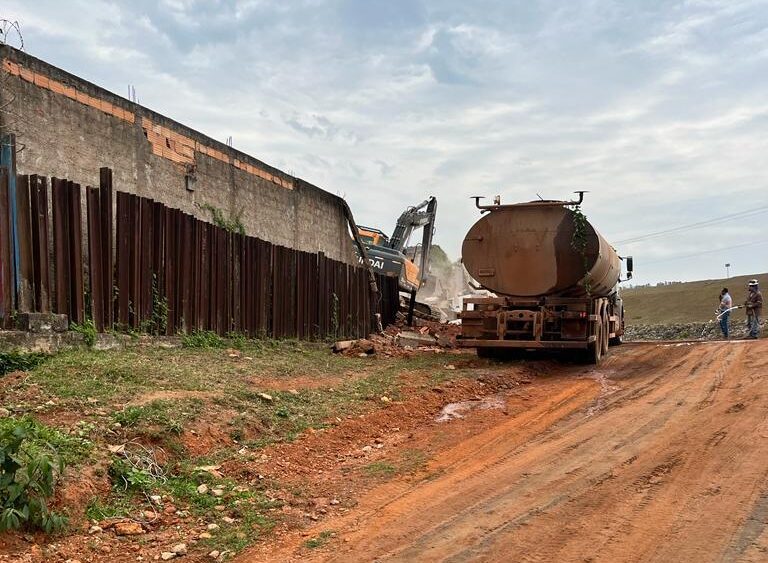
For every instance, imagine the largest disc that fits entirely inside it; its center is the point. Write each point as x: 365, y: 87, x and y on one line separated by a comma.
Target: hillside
x: 684, y: 302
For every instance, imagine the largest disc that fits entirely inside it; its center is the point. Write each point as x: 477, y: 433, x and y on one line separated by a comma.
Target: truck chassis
x: 496, y: 323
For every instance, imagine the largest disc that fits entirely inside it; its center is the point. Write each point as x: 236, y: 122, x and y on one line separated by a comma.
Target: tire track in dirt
x: 668, y: 465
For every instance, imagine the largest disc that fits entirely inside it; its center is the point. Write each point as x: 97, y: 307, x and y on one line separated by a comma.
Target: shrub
x: 28, y: 474
x: 202, y: 339
x: 20, y: 361
x: 88, y: 330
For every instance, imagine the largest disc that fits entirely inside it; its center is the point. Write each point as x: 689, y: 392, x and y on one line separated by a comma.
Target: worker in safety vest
x: 754, y: 307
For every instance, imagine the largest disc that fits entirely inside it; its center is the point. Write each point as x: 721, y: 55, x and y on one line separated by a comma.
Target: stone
x: 180, y: 549
x: 228, y: 520
x: 167, y: 555
x: 128, y: 529
x: 414, y: 339
x: 217, y: 492
x: 367, y: 449
x: 342, y: 345
x: 335, y: 501
x: 204, y: 536
x: 42, y: 322
x: 4, y: 412
x: 202, y: 489
x: 213, y: 527
x: 220, y: 508
x: 214, y: 554
x: 95, y: 530
x: 265, y: 396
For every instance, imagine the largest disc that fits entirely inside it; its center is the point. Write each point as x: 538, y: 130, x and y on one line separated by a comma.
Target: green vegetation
x: 32, y: 456
x: 146, y: 405
x: 202, y: 339
x: 579, y: 241
x: 320, y: 540
x: 20, y: 361
x: 167, y: 415
x: 233, y: 224
x: 409, y: 461
x: 380, y: 469
x: 87, y: 329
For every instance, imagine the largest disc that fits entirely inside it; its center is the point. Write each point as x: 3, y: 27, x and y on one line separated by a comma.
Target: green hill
x: 684, y: 302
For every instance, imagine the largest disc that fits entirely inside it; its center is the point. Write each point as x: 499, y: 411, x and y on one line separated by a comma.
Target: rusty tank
x: 527, y: 250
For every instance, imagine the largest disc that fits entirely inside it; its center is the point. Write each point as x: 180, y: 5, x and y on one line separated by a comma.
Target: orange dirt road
x: 660, y: 454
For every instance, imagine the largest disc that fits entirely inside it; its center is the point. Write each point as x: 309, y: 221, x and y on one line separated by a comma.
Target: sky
x: 658, y: 108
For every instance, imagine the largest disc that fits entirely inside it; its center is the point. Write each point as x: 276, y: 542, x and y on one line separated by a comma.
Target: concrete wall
x: 69, y: 128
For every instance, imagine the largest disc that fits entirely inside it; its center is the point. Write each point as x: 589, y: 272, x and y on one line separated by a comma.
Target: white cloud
x: 657, y: 108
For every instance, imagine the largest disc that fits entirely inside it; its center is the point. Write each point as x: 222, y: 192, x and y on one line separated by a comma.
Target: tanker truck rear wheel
x: 605, y: 329
x: 594, y: 352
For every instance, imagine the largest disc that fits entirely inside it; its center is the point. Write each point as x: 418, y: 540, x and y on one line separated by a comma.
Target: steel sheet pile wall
x: 153, y: 268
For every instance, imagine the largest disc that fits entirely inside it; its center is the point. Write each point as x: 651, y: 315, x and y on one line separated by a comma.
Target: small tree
x: 27, y: 478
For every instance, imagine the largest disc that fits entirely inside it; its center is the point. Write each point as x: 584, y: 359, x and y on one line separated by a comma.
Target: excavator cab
x: 372, y: 237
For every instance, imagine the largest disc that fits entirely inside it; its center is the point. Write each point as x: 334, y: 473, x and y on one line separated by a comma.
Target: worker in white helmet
x: 754, y: 307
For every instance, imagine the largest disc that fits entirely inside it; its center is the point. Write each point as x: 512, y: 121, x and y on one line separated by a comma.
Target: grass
x: 410, y: 461
x: 143, y: 389
x: 687, y: 302
x: 20, y: 361
x: 71, y: 449
x: 319, y: 540
x: 380, y: 469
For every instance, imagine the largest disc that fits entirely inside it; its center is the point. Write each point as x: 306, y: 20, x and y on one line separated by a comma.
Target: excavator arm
x: 422, y: 215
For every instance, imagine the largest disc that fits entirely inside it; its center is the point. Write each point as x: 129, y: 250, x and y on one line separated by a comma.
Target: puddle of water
x: 453, y: 411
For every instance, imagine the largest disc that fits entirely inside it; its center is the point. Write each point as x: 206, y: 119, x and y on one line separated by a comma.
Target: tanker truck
x: 555, y: 280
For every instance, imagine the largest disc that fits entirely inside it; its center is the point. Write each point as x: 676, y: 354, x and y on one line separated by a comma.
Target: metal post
x: 8, y: 159
x: 411, y: 306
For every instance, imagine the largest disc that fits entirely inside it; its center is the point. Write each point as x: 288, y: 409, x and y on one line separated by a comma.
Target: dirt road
x: 661, y: 454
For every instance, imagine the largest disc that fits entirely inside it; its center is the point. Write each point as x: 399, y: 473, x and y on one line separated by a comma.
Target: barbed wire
x: 9, y: 30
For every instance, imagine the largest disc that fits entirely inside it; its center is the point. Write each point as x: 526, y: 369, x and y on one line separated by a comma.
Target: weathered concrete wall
x: 69, y: 128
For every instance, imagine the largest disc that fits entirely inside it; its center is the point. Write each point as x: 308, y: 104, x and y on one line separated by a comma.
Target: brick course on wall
x: 69, y: 128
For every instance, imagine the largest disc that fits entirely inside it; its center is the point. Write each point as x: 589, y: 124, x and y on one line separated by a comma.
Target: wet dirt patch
x: 460, y: 409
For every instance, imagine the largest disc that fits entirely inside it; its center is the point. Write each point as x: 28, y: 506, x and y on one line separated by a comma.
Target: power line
x: 713, y: 251
x: 698, y: 225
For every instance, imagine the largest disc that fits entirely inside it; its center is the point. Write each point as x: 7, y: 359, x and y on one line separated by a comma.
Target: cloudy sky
x: 659, y: 108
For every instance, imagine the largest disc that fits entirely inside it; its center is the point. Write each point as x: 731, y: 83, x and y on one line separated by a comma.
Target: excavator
x: 390, y: 257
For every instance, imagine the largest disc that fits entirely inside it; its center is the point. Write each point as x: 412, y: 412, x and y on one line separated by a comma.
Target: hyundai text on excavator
x: 387, y: 255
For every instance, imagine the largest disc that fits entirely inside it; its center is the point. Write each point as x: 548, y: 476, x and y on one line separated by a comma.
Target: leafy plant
x: 202, y: 339
x: 233, y: 224
x: 159, y: 323
x: 20, y: 361
x: 88, y: 329
x: 126, y: 477
x: 579, y: 242
x: 28, y: 475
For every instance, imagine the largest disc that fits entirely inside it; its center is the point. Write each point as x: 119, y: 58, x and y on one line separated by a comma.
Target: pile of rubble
x: 399, y: 339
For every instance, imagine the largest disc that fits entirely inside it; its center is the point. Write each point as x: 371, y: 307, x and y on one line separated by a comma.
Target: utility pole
x: 727, y: 271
